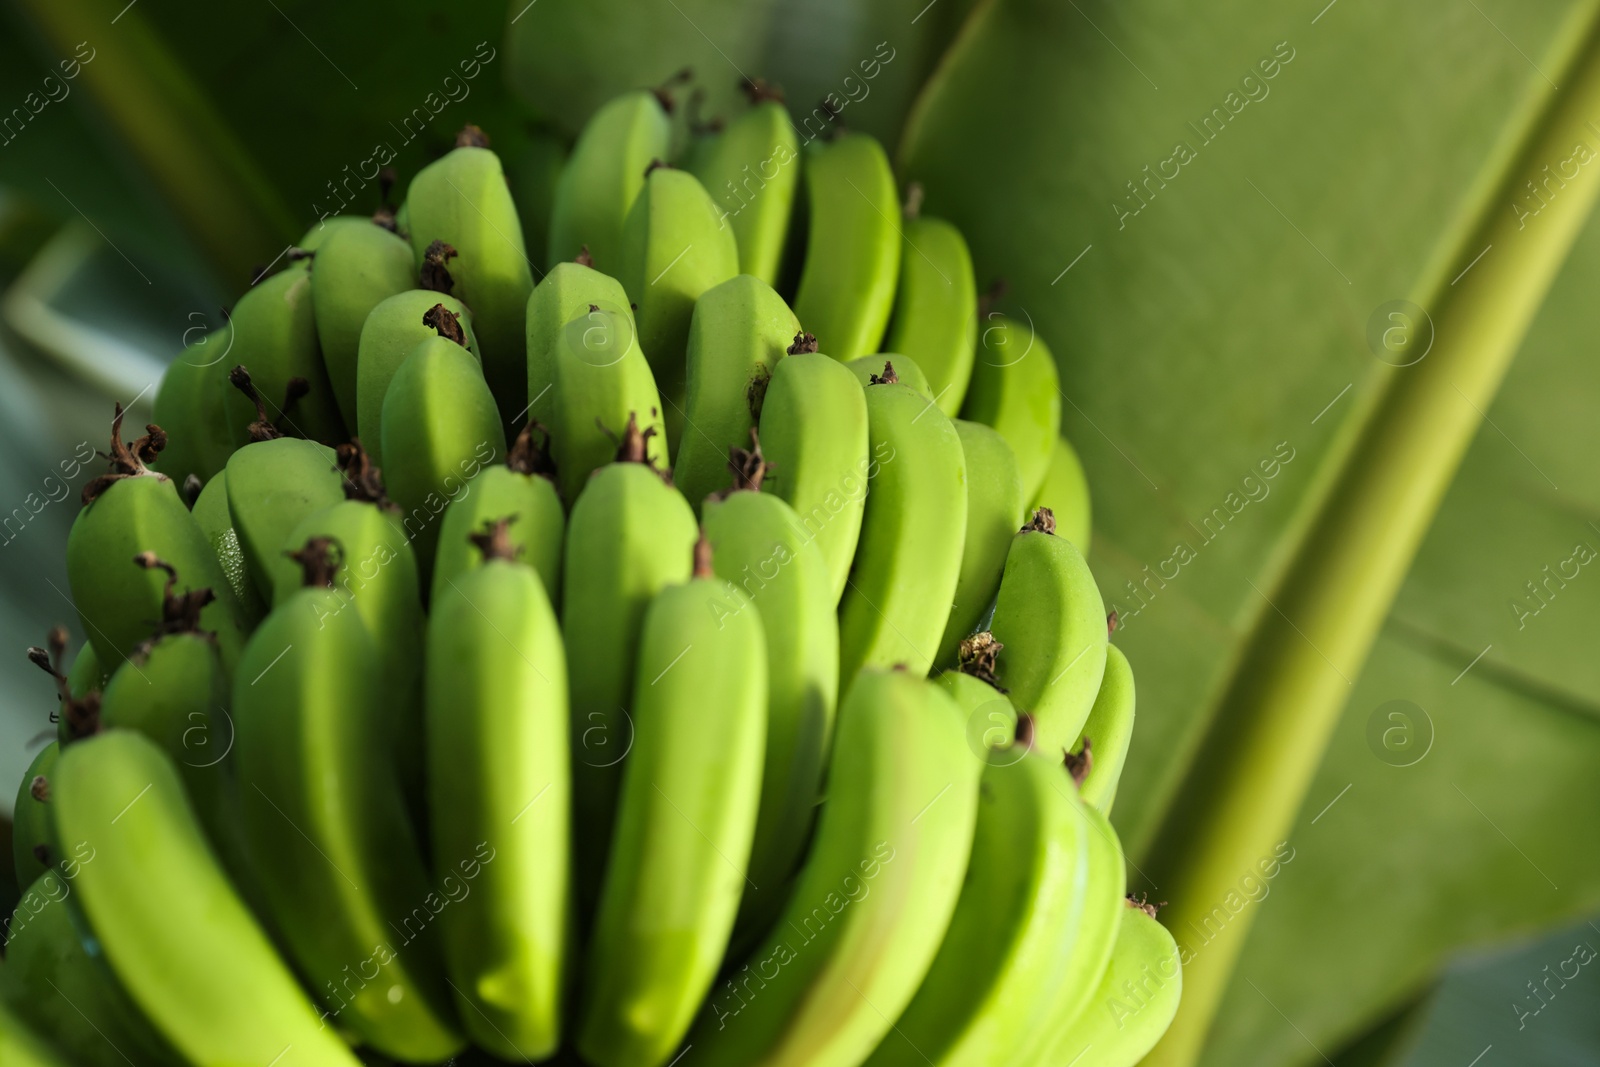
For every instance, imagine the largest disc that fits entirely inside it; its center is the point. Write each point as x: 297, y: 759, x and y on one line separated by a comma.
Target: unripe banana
x: 440, y: 428
x: 326, y: 824
x: 739, y: 332
x: 760, y: 547
x: 464, y: 201
x: 685, y: 819
x: 130, y: 511
x: 192, y: 405
x: 1015, y: 389
x: 853, y: 249
x: 355, y: 269
x: 1108, y: 732
x: 391, y: 333
x: 936, y: 307
x: 603, y: 177
x: 567, y: 292
x: 522, y: 490
x: 275, y: 335
x: 876, y: 894
x: 1065, y: 491
x: 375, y: 575
x: 273, y: 485
x: 673, y: 249
x: 313, y: 239
x: 994, y: 497
x: 1051, y: 626
x: 1136, y: 998
x: 990, y: 986
x: 869, y: 368
x: 215, y: 519
x: 500, y: 780
x: 991, y: 717
x: 158, y: 905
x: 605, y: 396
x: 752, y: 171
x: 909, y: 557
x: 814, y: 435
x: 52, y: 981
x: 175, y: 692
x: 32, y: 853
x: 630, y: 536
x: 1085, y: 950
x: 21, y: 1047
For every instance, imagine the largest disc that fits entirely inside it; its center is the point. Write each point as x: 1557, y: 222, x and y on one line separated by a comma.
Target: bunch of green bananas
x: 610, y: 739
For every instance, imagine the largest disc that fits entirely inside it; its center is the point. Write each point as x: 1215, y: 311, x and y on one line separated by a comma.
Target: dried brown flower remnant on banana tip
x: 127, y: 461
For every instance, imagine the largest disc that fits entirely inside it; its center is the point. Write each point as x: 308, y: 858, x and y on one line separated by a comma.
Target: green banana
x: 936, y: 305
x: 603, y: 389
x: 463, y: 200
x: 500, y: 779
x: 273, y: 484
x: 685, y: 820
x: 375, y: 574
x: 630, y: 536
x: 814, y: 435
x: 275, y: 335
x: 1050, y: 623
x: 759, y: 546
x: 740, y: 330
x: 440, y: 428
x: 127, y: 512
x: 673, y: 250
x: 313, y: 239
x: 159, y: 907
x: 21, y: 1047
x: 1015, y: 389
x: 51, y: 980
x: 392, y: 332
x: 1108, y: 731
x: 32, y: 852
x: 172, y: 691
x: 876, y: 894
x: 1065, y: 491
x: 603, y: 177
x: 991, y: 717
x: 870, y: 368
x: 191, y: 404
x: 355, y: 269
x: 752, y: 170
x: 909, y: 557
x: 568, y: 291
x: 1085, y: 950
x: 994, y: 496
x: 1136, y: 998
x: 990, y: 985
x: 215, y: 520
x: 523, y: 490
x: 853, y: 249
x: 325, y: 821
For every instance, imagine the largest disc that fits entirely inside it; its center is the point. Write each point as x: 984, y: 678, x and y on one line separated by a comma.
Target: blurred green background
x: 1204, y: 318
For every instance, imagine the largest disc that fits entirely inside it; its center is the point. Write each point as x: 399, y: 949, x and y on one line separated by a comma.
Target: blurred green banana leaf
x: 1213, y: 216
x: 1219, y: 313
